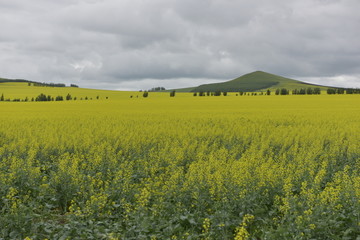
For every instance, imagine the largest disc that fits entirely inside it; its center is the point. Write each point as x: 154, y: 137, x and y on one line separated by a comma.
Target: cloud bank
x: 137, y: 44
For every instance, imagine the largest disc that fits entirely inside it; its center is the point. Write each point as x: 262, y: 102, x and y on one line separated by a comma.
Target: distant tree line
x: 38, y: 84
x: 156, y: 89
x: 306, y: 91
x: 343, y: 91
x: 209, y: 93
x: 45, y: 98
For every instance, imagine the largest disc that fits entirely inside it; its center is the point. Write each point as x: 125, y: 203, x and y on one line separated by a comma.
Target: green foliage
x: 42, y: 97
x: 217, y: 93
x: 59, y: 98
x: 157, y: 89
x: 68, y: 97
x: 284, y: 91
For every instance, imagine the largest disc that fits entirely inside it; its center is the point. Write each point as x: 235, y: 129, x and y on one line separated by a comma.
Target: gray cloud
x: 134, y: 44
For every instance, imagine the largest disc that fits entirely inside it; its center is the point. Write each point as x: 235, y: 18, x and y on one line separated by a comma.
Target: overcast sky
x: 139, y: 44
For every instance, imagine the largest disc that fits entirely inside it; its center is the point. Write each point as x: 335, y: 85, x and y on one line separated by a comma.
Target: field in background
x: 22, y: 90
x: 235, y: 167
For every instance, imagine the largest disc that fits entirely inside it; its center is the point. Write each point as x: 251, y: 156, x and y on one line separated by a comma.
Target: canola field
x: 234, y: 167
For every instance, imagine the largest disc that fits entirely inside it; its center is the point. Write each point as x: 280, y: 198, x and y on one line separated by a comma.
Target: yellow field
x: 235, y: 167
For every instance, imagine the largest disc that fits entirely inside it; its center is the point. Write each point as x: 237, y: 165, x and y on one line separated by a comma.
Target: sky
x: 140, y: 44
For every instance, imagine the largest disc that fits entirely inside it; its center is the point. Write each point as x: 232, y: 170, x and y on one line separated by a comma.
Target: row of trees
x: 308, y: 91
x: 208, y: 93
x: 39, y: 84
x: 343, y: 91
x: 284, y: 91
x: 43, y: 98
x: 156, y: 89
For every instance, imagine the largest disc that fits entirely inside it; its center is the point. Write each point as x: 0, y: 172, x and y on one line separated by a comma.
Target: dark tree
x: 217, y: 93
x: 225, y: 93
x: 42, y: 97
x: 331, y: 91
x: 68, y: 97
x: 340, y: 91
x: 268, y: 92
x: 97, y: 97
x: 195, y: 94
x: 309, y: 91
x: 317, y: 91
x: 172, y: 93
x: 2, y: 98
x: 59, y: 98
x: 284, y: 91
x: 277, y: 92
x: 145, y: 94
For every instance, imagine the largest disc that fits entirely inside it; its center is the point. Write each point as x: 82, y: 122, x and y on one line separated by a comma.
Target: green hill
x: 20, y: 89
x: 255, y: 81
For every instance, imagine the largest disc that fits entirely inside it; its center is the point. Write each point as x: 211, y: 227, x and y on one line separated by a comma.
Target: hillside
x: 255, y: 81
x: 4, y: 80
x: 15, y: 90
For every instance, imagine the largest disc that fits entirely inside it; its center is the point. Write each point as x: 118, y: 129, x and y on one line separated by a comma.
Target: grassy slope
x: 13, y: 90
x: 256, y: 81
x: 189, y: 89
x: 21, y: 90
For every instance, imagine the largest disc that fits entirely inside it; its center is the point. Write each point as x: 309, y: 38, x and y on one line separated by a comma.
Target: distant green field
x: 22, y: 90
